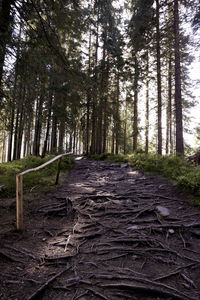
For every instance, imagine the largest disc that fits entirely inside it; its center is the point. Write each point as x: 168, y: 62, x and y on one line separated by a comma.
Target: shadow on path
x: 109, y: 232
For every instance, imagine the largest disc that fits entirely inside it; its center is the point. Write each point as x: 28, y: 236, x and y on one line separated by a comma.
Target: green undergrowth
x: 185, y: 174
x: 42, y: 179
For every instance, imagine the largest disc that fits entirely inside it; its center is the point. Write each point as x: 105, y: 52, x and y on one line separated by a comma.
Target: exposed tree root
x: 41, y: 289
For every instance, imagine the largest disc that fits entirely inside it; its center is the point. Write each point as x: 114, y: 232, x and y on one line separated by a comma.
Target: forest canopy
x: 96, y: 76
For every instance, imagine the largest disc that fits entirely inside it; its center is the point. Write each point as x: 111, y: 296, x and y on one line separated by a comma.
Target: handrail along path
x: 19, y: 186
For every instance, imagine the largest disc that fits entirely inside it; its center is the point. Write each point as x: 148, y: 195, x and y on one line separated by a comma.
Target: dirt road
x: 109, y: 232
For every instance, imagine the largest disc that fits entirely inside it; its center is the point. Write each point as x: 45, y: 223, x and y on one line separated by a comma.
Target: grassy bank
x: 185, y: 174
x: 42, y: 179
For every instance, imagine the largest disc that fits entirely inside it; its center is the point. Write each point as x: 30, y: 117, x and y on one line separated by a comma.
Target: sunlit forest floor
x: 109, y: 232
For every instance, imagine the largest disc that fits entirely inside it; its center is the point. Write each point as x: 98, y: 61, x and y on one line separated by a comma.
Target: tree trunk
x: 38, y: 127
x: 95, y: 92
x: 178, y: 99
x: 113, y: 140
x: 47, y: 126
x: 169, y: 108
x: 135, y: 106
x: 101, y: 105
x: 11, y: 129
x: 125, y: 128
x: 4, y: 148
x: 147, y: 108
x: 5, y: 8
x: 16, y: 134
x: 54, y: 134
x: 61, y: 136
x: 117, y: 127
x: 105, y: 118
x: 74, y: 140
x: 21, y: 126
x: 159, y: 90
x: 88, y: 97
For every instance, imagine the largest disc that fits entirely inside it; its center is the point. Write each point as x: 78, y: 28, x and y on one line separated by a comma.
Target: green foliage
x: 183, y: 173
x: 42, y: 178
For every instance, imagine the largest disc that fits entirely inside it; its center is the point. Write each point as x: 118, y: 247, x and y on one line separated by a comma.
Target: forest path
x: 128, y: 236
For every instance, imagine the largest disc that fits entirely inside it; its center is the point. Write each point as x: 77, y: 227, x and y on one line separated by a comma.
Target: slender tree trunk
x: 88, y: 97
x: 18, y: 119
x: 159, y: 89
x: 99, y: 129
x: 117, y: 131
x: 70, y: 141
x: 5, y: 8
x: 105, y: 118
x: 20, y: 133
x: 13, y: 102
x: 167, y: 130
x: 101, y: 100
x: 4, y: 148
x: 30, y: 150
x: 47, y: 126
x: 125, y: 128
x: 135, y: 106
x: 54, y: 134
x: 95, y: 92
x: 74, y: 140
x: 169, y: 107
x: 147, y: 108
x: 26, y: 139
x: 11, y: 129
x: 61, y: 136
x: 38, y: 126
x: 16, y: 134
x: 105, y: 124
x: 113, y: 140
x: 178, y: 98
x: 21, y: 123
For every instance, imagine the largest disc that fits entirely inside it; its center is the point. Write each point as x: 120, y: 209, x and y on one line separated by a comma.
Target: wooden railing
x: 19, y: 186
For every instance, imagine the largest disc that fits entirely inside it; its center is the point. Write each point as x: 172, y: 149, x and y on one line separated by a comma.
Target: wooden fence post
x: 58, y: 170
x: 19, y: 200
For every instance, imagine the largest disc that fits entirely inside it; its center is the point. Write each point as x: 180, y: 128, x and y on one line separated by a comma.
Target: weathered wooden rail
x: 19, y: 186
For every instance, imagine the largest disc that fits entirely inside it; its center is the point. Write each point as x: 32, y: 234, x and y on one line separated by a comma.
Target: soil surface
x: 109, y: 232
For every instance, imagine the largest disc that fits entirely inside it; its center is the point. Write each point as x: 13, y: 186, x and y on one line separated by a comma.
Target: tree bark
x: 38, y: 127
x: 178, y: 98
x: 159, y: 89
x: 5, y: 9
x: 105, y: 117
x: 135, y: 106
x: 11, y: 131
x: 88, y: 96
x: 21, y: 125
x: 61, y: 136
x: 147, y: 107
x: 117, y: 127
x: 95, y: 91
x: 125, y: 128
x: 54, y: 134
x: 47, y: 126
x: 113, y: 140
x: 169, y: 142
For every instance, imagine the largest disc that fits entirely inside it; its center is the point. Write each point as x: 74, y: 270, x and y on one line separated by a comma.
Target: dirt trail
x: 109, y: 232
